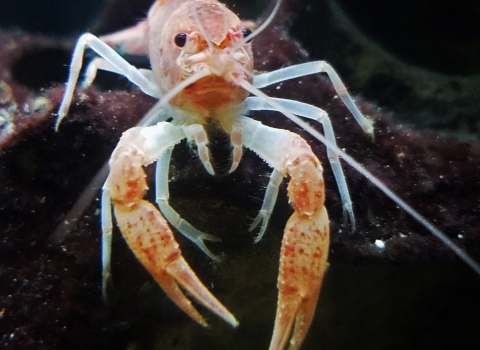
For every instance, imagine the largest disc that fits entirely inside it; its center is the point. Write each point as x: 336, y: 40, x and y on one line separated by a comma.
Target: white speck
x: 380, y: 244
x: 460, y: 236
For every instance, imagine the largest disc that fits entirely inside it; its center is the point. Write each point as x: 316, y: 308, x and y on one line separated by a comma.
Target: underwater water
x: 414, y: 293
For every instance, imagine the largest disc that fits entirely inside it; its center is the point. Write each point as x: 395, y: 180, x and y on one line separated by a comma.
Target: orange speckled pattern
x: 302, y: 267
x: 148, y: 233
x: 127, y: 179
x: 151, y: 240
x: 304, y: 253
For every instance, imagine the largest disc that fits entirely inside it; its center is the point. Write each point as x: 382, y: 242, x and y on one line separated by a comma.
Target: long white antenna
x: 259, y: 29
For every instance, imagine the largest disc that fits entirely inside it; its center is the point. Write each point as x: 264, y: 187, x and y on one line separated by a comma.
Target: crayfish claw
x: 296, y: 313
x: 180, y: 273
x: 152, y: 241
x: 302, y: 265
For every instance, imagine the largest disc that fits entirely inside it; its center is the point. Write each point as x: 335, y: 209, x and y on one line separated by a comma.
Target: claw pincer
x: 148, y: 233
x: 304, y: 252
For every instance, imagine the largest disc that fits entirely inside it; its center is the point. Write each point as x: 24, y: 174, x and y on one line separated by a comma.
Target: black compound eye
x: 247, y: 32
x: 180, y: 39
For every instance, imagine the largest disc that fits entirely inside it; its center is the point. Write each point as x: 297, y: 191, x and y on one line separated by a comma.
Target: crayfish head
x: 202, y: 35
